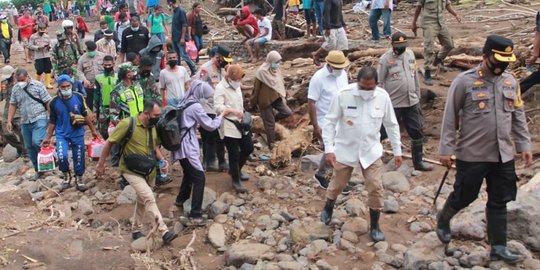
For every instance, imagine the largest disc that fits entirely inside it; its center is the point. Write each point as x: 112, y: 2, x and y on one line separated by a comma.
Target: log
x: 224, y: 11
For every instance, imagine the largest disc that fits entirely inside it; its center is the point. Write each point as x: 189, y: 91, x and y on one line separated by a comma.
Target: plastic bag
x: 192, y: 50
x: 45, y: 159
x: 95, y: 148
x: 110, y: 129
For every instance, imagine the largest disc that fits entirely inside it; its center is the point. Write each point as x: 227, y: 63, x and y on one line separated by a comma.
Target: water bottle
x: 162, y: 164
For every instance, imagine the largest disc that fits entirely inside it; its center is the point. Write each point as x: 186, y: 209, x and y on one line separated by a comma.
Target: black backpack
x: 169, y: 127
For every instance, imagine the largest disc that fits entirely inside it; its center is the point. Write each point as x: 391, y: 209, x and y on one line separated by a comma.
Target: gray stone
x: 470, y: 223
x: 247, y: 266
x: 355, y: 207
x: 398, y: 248
x: 391, y: 205
x: 209, y: 198
x: 9, y: 153
x: 531, y: 263
x: 390, y: 260
x: 316, y: 247
x: 221, y: 218
x: 284, y: 258
x: 524, y: 214
x: 420, y: 226
x: 227, y: 198
x: 439, y: 266
x: 356, y: 225
x: 216, y: 235
x: 246, y: 252
x: 323, y: 265
x: 218, y: 208
x: 395, y: 182
x: 305, y: 232
x: 310, y: 163
x: 381, y: 246
x: 11, y: 168
x: 290, y: 265
x: 350, y: 236
x: 425, y: 251
x: 142, y: 244
x: 265, y: 222
x: 127, y: 196
x: 85, y: 206
x: 518, y: 248
x: 478, y: 257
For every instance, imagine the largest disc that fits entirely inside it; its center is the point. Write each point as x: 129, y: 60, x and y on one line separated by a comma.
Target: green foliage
x: 35, y: 3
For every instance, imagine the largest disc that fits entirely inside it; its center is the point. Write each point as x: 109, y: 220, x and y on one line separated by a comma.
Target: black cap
x: 501, y: 48
x: 90, y: 45
x: 399, y: 40
x: 225, y: 52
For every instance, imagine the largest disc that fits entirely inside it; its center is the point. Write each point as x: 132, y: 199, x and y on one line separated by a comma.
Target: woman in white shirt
x: 238, y: 142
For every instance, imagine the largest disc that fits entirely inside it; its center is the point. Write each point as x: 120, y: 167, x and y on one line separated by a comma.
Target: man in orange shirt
x: 26, y: 28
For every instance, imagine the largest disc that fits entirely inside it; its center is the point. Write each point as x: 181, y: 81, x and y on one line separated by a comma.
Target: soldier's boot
x: 427, y: 77
x: 376, y: 234
x: 328, y: 210
x: 48, y: 81
x: 443, y: 223
x: 417, y: 150
x: 496, y: 231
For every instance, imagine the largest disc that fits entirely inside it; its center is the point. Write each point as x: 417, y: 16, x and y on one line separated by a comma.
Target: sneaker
x: 168, y: 237
x: 347, y: 190
x: 162, y: 180
x: 81, y: 187
x: 321, y: 180
x: 65, y: 185
x: 137, y: 235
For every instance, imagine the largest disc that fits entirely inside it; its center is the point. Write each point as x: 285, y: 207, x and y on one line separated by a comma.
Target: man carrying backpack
x: 138, y: 164
x: 68, y: 116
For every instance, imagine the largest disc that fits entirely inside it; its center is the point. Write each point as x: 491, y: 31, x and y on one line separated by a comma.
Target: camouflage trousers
x: 15, y: 138
x: 103, y: 121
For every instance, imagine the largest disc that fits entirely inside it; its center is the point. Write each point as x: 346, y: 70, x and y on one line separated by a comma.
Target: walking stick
x: 443, y: 180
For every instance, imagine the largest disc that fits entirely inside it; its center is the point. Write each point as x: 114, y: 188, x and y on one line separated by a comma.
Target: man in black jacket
x: 135, y: 38
x: 99, y: 34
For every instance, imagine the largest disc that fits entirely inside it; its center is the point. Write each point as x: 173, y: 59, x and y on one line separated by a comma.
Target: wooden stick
x: 425, y: 159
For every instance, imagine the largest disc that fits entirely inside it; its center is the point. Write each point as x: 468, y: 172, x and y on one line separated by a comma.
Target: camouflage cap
x: 127, y: 66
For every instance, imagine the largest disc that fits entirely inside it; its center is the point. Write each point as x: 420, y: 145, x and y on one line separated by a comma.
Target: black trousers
x: 195, y: 179
x: 528, y: 82
x: 90, y: 98
x: 239, y: 151
x: 500, y: 179
x: 412, y: 119
x: 5, y: 48
x: 43, y: 65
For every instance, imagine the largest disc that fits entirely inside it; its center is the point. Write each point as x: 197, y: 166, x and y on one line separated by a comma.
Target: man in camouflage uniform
x: 127, y: 98
x: 15, y: 138
x: 105, y: 83
x: 147, y: 81
x: 64, y: 54
x: 434, y: 25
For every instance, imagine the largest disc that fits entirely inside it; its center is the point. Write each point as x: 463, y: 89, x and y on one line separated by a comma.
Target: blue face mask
x: 274, y: 66
x: 135, y: 29
x: 66, y: 93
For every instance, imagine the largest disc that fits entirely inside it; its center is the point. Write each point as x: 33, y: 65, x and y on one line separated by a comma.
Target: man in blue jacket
x: 180, y: 34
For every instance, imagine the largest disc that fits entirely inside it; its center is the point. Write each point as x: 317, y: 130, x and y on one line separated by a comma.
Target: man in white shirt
x: 265, y: 34
x: 173, y: 80
x: 323, y: 87
x: 351, y: 136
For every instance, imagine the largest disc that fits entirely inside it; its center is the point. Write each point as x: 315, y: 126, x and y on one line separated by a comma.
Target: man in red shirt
x: 246, y: 24
x: 26, y: 28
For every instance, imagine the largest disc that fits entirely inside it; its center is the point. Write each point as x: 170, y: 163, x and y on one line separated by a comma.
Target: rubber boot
x: 67, y: 181
x: 437, y: 61
x: 220, y: 153
x: 496, y: 230
x: 81, y: 186
x: 328, y: 210
x: 427, y: 77
x: 38, y: 77
x: 376, y: 234
x: 234, y: 171
x: 48, y: 81
x: 443, y: 223
x: 210, y: 158
x: 243, y: 176
x: 417, y: 149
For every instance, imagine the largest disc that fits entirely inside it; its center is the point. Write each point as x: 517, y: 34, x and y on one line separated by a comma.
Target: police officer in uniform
x: 484, y: 107
x: 399, y: 77
x: 434, y: 26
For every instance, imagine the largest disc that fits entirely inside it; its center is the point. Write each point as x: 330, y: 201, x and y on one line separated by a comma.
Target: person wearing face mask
x: 146, y: 79
x: 104, y: 25
x: 188, y: 155
x: 323, y: 87
x: 40, y: 44
x: 399, y: 77
x: 269, y: 94
x: 64, y: 54
x: 155, y: 52
x: 239, y: 143
x: 62, y: 108
x: 484, y: 120
x: 143, y: 141
x: 173, y: 80
x: 107, y: 45
x: 180, y: 34
x: 135, y: 38
x: 105, y: 83
x: 213, y: 72
x: 352, y: 139
x: 32, y: 99
x: 14, y: 138
x: 89, y: 66
x: 120, y: 26
x: 6, y: 37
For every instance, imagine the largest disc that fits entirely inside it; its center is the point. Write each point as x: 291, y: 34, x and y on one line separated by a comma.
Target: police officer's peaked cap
x: 399, y: 40
x: 225, y: 52
x: 500, y: 47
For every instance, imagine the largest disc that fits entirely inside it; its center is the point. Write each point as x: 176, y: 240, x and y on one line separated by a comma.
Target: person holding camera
x: 68, y: 115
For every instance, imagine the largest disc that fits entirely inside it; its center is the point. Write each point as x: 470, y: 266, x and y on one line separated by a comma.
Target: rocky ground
x: 276, y: 225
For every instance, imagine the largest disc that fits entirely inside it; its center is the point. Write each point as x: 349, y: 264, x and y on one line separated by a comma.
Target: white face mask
x: 235, y: 84
x: 366, y: 94
x: 22, y: 84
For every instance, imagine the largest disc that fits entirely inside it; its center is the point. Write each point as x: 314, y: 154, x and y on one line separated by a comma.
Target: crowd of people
x: 119, y: 85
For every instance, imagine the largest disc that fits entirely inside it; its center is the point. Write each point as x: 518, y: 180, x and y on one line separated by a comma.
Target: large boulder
x: 307, y: 231
x: 424, y: 252
x: 395, y: 182
x: 524, y: 214
x: 210, y: 197
x: 9, y: 153
x: 246, y: 252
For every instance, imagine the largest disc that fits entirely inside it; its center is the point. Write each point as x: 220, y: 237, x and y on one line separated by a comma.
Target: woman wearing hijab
x: 269, y: 94
x: 194, y: 114
x: 82, y: 29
